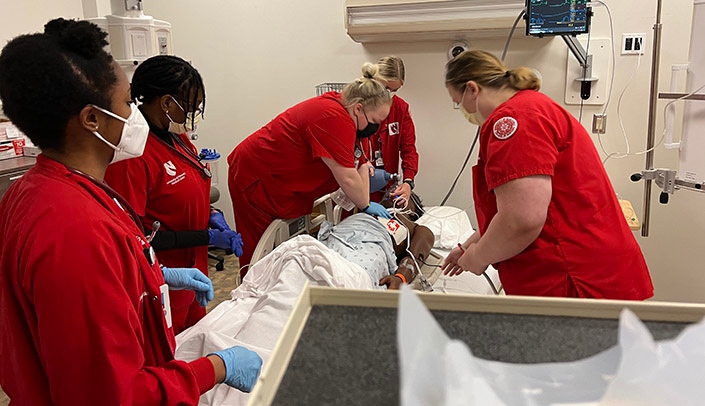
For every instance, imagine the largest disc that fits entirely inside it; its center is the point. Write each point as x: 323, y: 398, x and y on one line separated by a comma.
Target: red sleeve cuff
x: 409, y: 174
x: 496, y: 181
x: 205, y: 374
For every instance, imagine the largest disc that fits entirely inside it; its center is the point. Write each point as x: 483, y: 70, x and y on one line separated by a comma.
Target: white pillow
x: 450, y: 225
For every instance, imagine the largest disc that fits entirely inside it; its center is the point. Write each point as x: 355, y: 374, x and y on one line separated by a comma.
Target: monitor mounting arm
x: 585, y: 62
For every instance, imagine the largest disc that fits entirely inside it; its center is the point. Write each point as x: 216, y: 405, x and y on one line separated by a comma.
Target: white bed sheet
x: 451, y: 225
x: 261, y: 306
x: 466, y: 282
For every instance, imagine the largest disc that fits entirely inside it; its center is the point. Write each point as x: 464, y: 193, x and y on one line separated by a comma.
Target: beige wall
x: 24, y: 17
x: 260, y: 57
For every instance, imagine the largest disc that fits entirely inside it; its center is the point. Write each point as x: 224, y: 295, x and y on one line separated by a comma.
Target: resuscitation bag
x: 379, y: 180
x: 436, y: 370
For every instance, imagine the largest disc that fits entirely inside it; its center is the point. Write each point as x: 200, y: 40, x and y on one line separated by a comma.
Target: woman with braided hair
x: 169, y: 184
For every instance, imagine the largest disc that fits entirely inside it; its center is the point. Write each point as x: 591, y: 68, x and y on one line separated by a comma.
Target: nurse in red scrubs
x: 83, y: 301
x: 169, y: 183
x: 304, y: 153
x: 395, y: 140
x: 548, y: 216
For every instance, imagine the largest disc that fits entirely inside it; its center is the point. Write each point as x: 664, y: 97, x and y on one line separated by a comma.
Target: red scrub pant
x: 250, y: 221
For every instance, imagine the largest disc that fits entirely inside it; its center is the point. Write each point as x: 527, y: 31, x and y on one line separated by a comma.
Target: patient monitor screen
x: 557, y: 17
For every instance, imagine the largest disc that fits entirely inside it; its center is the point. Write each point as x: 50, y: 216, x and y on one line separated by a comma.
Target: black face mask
x: 368, y: 131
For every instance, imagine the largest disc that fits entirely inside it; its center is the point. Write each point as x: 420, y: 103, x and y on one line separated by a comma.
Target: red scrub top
x: 277, y: 172
x: 166, y: 184
x: 395, y: 138
x: 80, y: 305
x: 586, y: 248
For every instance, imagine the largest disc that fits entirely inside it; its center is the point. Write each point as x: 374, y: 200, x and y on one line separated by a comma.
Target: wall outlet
x: 599, y: 123
x: 633, y: 44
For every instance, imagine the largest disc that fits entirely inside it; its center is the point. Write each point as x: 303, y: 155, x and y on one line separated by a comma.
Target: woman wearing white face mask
x: 168, y: 183
x: 82, y: 295
x: 548, y: 216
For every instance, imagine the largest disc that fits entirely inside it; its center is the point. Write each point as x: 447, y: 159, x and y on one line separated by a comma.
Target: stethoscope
x: 359, y: 152
x: 198, y: 164
x: 121, y: 202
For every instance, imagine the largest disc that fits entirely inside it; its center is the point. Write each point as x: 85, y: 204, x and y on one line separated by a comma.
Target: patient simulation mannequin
x: 381, y: 247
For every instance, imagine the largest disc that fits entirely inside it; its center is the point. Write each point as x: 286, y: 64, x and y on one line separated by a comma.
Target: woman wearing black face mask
x: 304, y: 153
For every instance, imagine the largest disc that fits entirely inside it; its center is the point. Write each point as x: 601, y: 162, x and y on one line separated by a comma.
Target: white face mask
x: 133, y: 137
x: 183, y: 128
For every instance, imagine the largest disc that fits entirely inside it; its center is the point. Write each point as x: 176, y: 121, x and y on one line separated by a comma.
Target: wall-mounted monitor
x: 557, y: 17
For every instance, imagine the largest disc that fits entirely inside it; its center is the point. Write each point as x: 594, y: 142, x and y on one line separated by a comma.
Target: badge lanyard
x: 124, y: 205
x: 148, y: 252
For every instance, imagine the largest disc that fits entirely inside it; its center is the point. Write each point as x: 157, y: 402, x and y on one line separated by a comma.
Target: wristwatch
x: 410, y: 183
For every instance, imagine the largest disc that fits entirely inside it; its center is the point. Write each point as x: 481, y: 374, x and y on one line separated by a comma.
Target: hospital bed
x: 450, y: 225
x: 287, y: 260
x: 282, y: 230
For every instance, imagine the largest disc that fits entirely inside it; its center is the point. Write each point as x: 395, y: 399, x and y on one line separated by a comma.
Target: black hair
x: 47, y: 78
x: 167, y: 74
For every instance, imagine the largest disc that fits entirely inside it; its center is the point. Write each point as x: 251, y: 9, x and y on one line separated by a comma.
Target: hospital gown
x: 364, y: 241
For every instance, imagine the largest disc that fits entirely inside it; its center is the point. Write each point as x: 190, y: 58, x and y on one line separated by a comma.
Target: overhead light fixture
x: 379, y: 20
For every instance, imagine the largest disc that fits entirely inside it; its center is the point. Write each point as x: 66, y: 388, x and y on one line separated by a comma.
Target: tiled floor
x: 223, y: 282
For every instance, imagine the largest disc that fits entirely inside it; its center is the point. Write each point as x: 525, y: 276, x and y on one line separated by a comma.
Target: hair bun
x: 80, y: 37
x: 369, y: 70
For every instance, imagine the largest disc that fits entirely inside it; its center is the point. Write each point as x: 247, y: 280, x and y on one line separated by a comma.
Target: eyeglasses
x: 457, y: 105
x: 197, y: 112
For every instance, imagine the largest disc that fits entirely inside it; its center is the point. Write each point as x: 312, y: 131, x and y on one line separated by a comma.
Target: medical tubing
x: 494, y: 289
x: 489, y: 280
x: 424, y: 281
x: 619, y: 115
x: 511, y: 33
x: 462, y: 169
x: 609, y: 94
x: 663, y: 134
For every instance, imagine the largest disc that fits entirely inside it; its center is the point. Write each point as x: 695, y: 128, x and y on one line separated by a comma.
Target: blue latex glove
x: 190, y: 279
x: 376, y: 209
x: 227, y: 240
x: 242, y: 367
x: 217, y: 221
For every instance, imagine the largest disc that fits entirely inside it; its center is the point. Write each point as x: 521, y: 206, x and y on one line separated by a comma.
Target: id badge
x: 379, y: 162
x: 166, y: 304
